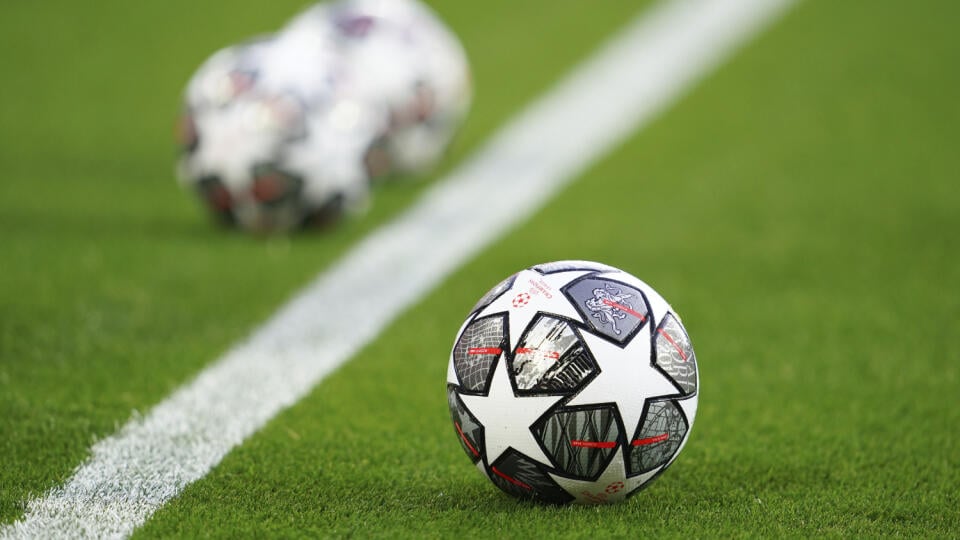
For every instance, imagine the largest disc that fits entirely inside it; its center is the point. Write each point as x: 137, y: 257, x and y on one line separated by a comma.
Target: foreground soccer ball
x: 572, y: 381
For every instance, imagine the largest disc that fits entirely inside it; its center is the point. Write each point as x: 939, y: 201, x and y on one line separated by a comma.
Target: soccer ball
x: 572, y: 381
x: 403, y: 61
x: 288, y: 130
x: 267, y: 143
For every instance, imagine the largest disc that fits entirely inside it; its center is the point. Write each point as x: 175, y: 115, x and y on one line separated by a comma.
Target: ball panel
x: 469, y: 431
x: 215, y: 195
x: 675, y: 354
x: 658, y: 439
x: 550, y: 358
x: 273, y: 186
x: 327, y: 213
x: 566, y: 266
x: 582, y: 441
x: 521, y: 477
x: 613, y: 309
x: 478, y: 348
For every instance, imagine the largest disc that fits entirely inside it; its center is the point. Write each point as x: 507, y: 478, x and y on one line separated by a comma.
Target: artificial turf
x: 798, y: 208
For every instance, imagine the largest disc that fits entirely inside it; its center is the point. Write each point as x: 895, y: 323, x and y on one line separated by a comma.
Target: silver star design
x: 507, y: 418
x: 612, y: 485
x: 626, y: 378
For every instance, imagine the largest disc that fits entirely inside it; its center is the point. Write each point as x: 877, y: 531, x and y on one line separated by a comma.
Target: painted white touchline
x: 132, y: 473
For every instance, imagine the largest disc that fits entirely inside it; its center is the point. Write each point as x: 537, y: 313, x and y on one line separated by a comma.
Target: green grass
x: 799, y: 208
x: 114, y: 288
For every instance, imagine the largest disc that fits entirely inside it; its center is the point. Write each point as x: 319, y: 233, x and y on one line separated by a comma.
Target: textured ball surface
x: 572, y: 381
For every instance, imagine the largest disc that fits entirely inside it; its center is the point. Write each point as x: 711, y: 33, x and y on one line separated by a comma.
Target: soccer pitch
x: 797, y: 207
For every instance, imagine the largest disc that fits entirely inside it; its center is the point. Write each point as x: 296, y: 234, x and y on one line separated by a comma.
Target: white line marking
x: 132, y: 473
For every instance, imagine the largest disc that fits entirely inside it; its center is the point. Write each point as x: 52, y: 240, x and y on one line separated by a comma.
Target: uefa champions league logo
x: 608, y: 306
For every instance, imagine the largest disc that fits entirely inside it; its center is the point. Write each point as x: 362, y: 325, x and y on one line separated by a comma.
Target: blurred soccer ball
x: 289, y: 129
x: 572, y: 381
x: 404, y: 62
x: 265, y: 140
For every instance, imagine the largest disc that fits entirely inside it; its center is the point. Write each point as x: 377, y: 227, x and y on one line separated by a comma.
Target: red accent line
x: 593, y: 444
x: 512, y: 480
x: 484, y: 350
x: 467, y: 441
x: 549, y: 354
x: 651, y: 440
x: 624, y: 308
x: 672, y: 342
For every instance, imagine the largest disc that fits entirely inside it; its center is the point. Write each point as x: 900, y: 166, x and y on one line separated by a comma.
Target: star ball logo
x: 521, y: 300
x: 538, y: 287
